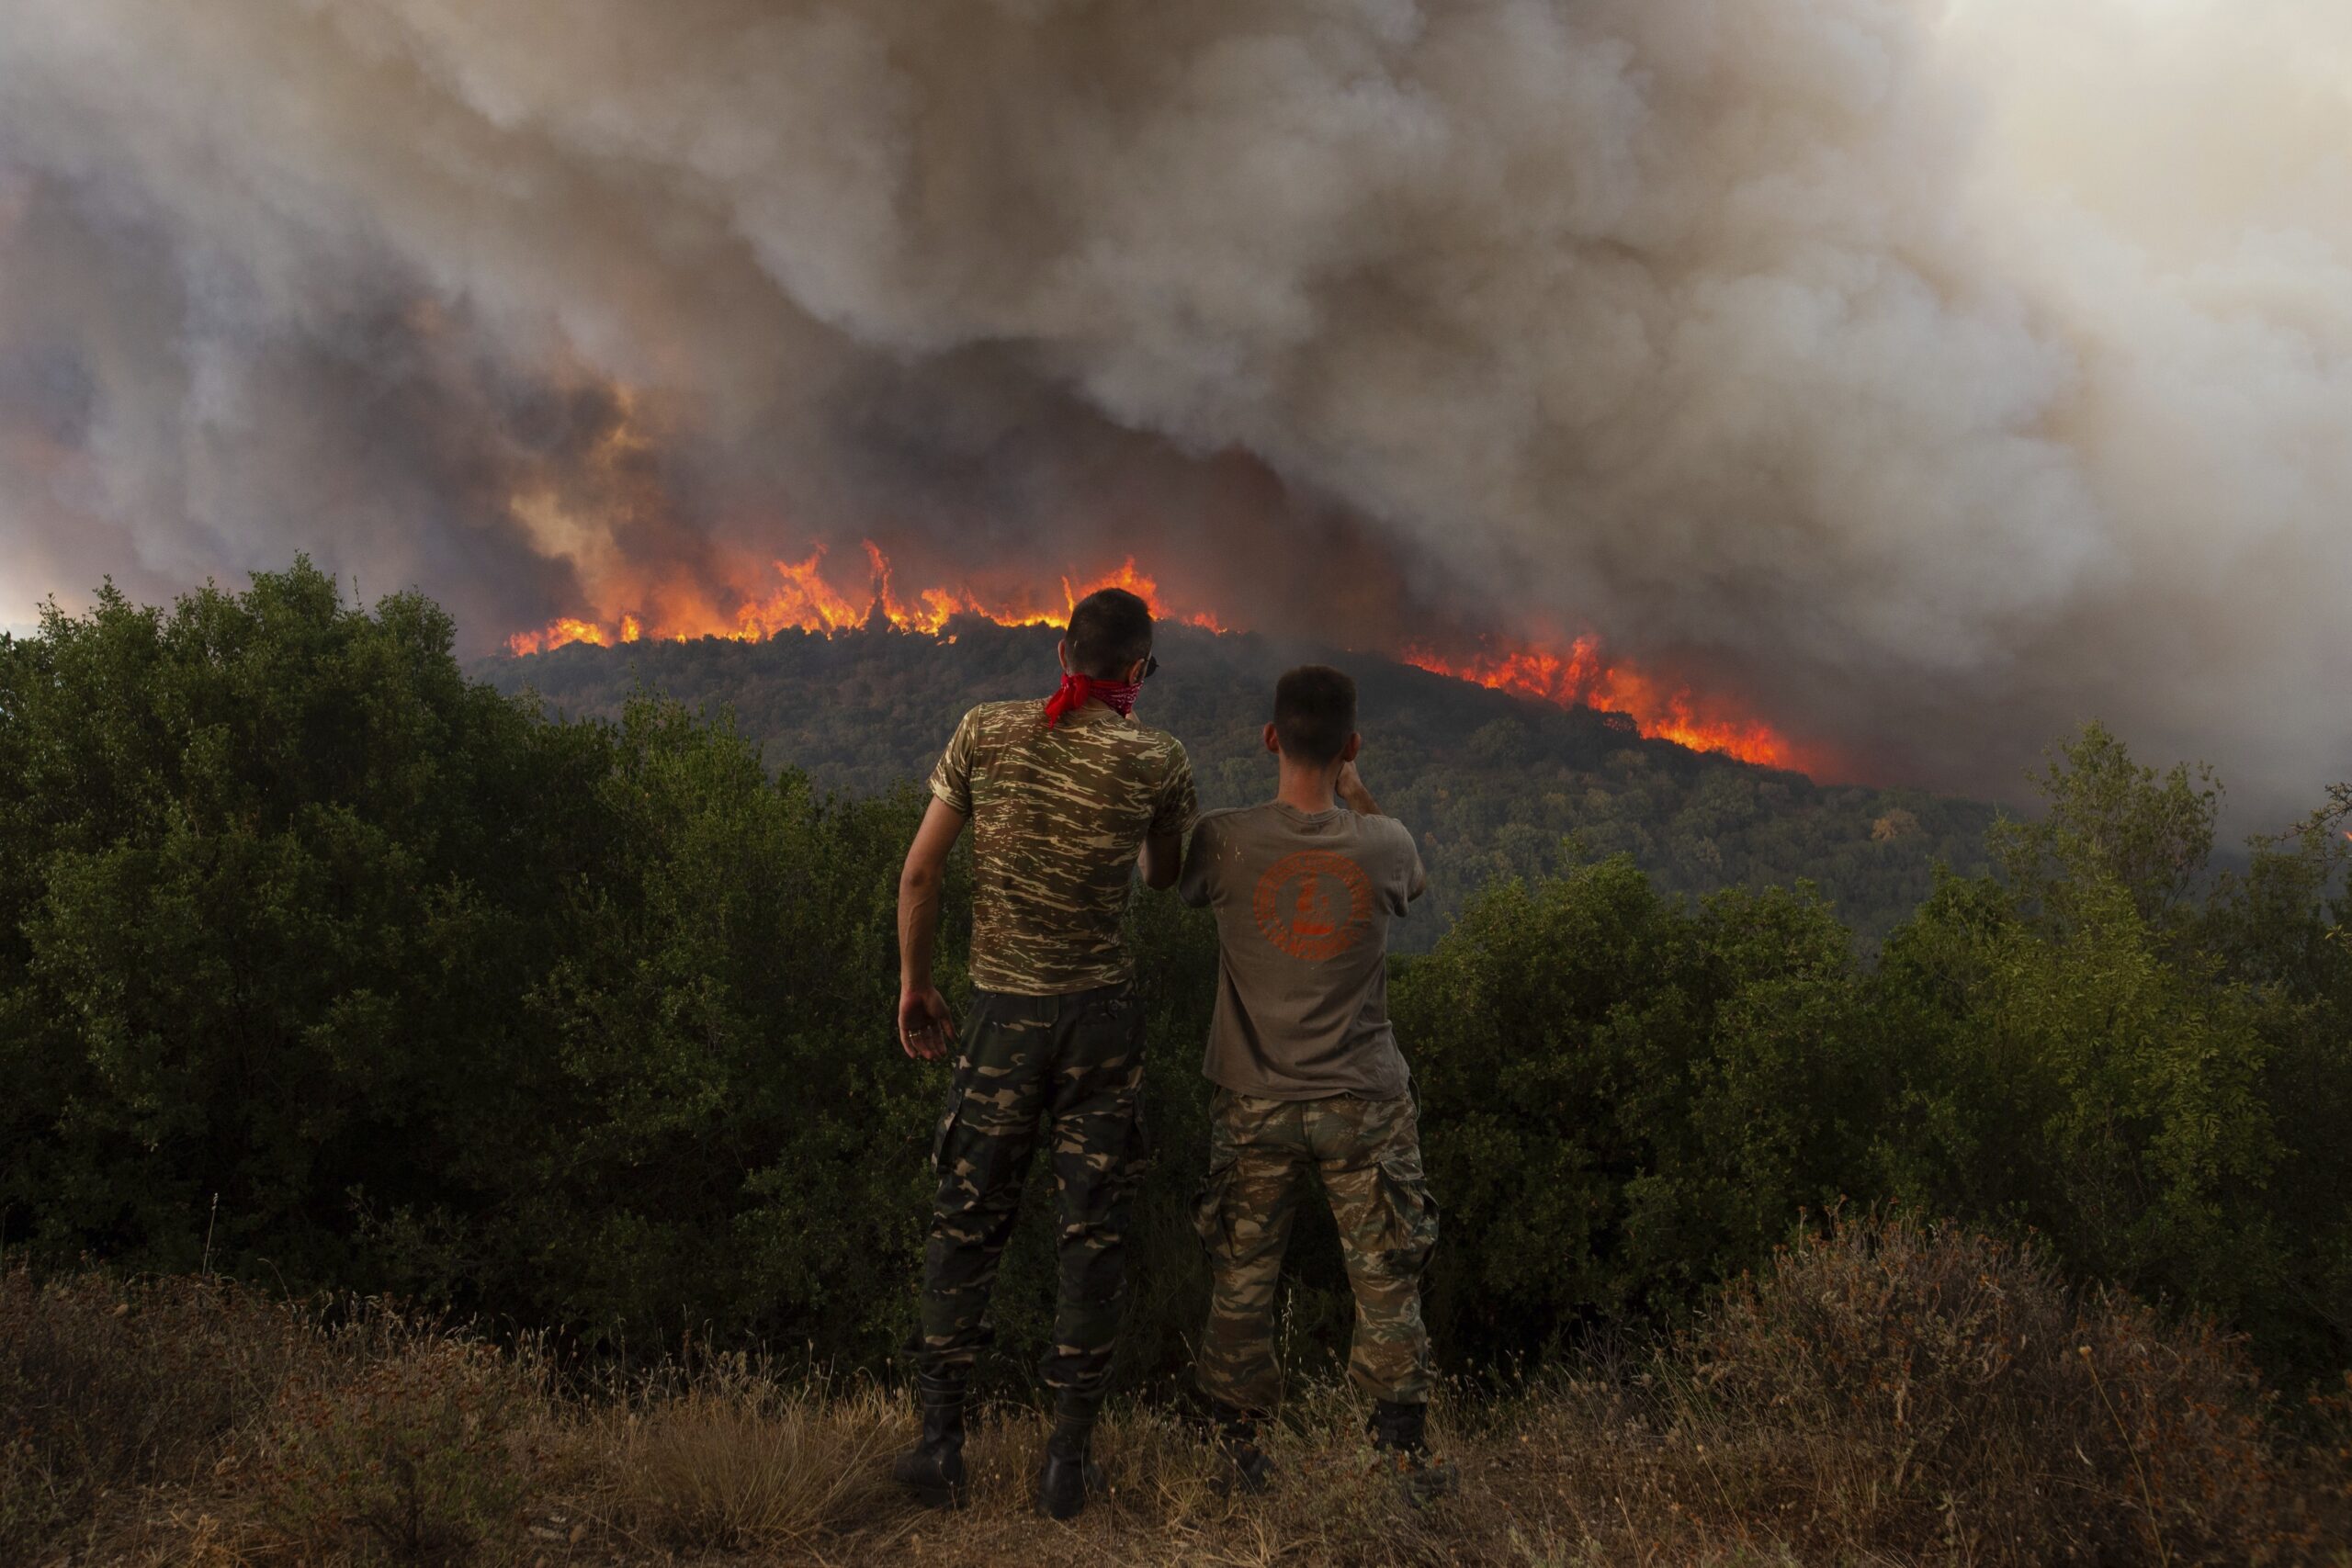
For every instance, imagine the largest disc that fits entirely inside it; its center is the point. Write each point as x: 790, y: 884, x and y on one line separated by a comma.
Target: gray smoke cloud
x: 1927, y: 377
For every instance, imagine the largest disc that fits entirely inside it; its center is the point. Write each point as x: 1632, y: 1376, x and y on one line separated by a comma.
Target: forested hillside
x: 1496, y: 785
x: 323, y: 965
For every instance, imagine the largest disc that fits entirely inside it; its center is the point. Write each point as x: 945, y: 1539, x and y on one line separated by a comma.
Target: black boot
x: 1399, y: 1436
x: 1237, y: 1439
x: 1067, y: 1477
x: 934, y: 1468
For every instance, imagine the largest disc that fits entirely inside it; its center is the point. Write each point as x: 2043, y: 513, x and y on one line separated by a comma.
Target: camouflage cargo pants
x: 1076, y: 1063
x: 1368, y: 1152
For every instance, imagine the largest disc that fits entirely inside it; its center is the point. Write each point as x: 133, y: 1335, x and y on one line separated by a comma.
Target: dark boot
x: 1066, y: 1478
x: 1400, y: 1436
x: 934, y: 1468
x: 1237, y: 1439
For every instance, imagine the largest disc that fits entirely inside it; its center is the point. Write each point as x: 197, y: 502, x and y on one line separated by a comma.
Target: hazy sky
x: 1929, y: 376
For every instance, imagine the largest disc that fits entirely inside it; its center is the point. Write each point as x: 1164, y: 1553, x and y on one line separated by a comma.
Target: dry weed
x: 1884, y: 1394
x: 1921, y: 1389
x: 109, y: 1390
x: 745, y: 1462
x: 408, y: 1454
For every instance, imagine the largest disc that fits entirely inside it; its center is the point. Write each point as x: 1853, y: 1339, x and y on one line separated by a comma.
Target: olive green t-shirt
x: 1058, y: 818
x: 1303, y: 902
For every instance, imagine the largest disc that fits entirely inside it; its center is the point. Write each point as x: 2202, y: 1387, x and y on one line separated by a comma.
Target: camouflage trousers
x: 1368, y: 1152
x: 1075, y: 1063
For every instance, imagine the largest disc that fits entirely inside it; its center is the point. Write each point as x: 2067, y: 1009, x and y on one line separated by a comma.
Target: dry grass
x: 1888, y: 1394
x: 743, y: 1463
x: 1930, y: 1389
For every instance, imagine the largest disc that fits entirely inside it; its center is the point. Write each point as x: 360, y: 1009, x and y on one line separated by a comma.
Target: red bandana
x: 1076, y: 691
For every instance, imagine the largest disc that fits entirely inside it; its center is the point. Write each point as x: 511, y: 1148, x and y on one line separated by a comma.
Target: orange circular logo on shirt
x: 1313, y: 905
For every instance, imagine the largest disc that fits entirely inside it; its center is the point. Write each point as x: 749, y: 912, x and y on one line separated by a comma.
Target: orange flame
x: 805, y: 600
x: 558, y: 633
x: 1583, y: 678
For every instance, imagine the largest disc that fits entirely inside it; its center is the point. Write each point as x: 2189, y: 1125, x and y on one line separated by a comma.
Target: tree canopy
x: 1494, y: 786
x: 328, y: 965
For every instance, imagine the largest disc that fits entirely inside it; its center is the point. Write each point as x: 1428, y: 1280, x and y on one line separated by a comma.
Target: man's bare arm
x: 925, y: 1026
x: 1358, y: 800
x: 1352, y: 793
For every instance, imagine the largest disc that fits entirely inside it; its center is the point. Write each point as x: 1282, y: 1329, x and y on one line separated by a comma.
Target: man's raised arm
x: 1163, y: 845
x: 1358, y: 799
x: 925, y: 1024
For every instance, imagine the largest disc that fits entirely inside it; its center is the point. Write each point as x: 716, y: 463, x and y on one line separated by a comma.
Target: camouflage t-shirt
x: 1058, y: 818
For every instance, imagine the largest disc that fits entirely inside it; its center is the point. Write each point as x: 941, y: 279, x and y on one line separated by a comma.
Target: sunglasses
x: 1150, y: 666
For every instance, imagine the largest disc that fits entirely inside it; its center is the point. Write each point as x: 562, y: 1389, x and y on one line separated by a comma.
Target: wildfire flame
x: 1583, y: 678
x: 558, y: 633
x: 804, y: 599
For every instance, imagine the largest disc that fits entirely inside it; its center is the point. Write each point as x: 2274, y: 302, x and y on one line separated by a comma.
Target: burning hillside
x: 803, y: 598
x: 1495, y: 782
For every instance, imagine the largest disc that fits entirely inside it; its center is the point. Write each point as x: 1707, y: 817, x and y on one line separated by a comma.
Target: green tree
x: 2109, y: 821
x: 1623, y: 1098
x: 2158, y: 1082
x: 253, y: 855
x: 586, y: 1023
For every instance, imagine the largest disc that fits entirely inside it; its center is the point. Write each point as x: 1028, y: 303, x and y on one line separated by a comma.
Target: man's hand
x: 925, y: 1026
x: 1352, y: 793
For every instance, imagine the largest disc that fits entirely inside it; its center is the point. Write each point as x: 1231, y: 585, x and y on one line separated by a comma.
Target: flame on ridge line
x: 1583, y: 678
x: 804, y: 601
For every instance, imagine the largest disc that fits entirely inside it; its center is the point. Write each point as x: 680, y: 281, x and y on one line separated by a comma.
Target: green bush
x: 1623, y: 1098
x: 318, y: 956
x: 2107, y: 1044
x: 323, y: 962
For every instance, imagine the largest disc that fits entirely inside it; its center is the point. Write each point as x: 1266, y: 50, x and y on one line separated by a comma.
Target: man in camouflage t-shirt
x: 1067, y: 799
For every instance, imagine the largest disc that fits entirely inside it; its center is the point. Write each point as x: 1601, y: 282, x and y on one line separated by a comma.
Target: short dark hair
x: 1109, y: 629
x: 1315, y: 712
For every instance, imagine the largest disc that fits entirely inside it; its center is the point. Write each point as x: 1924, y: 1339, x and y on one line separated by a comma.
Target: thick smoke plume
x: 1926, y: 376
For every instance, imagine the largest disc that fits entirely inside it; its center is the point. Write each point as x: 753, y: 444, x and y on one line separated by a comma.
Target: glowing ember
x: 804, y: 599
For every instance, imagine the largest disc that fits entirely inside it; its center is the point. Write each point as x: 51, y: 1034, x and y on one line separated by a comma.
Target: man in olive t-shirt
x: 1308, y: 1076
x: 1067, y: 798
x: 1303, y: 902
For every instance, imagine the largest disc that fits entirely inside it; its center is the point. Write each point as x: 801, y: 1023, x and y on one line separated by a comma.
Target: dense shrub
x: 326, y: 965
x: 1621, y: 1096
x: 319, y: 957
x: 2150, y: 1066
